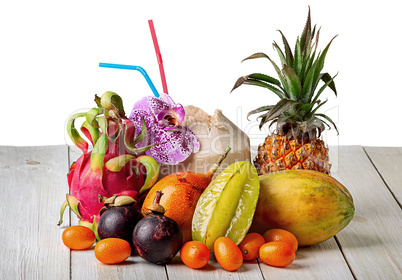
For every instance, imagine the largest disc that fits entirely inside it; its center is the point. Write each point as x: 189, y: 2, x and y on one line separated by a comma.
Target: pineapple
x: 295, y: 143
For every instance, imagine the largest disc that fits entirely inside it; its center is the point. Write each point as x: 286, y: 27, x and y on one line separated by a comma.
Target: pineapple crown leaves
x: 297, y: 84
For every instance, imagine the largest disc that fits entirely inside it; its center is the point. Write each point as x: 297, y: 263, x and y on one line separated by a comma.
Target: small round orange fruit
x: 277, y: 253
x: 78, y: 237
x: 181, y: 191
x: 250, y: 246
x: 228, y: 254
x: 195, y: 254
x: 112, y: 250
x: 277, y: 234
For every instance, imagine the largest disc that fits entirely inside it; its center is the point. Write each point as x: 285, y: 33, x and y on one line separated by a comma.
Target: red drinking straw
x: 158, y: 56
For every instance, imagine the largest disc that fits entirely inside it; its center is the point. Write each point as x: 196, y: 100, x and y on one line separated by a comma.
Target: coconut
x: 214, y: 133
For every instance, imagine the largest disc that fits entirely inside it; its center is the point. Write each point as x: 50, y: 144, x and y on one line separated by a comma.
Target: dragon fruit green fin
x: 73, y: 204
x: 117, y: 163
x: 63, y: 207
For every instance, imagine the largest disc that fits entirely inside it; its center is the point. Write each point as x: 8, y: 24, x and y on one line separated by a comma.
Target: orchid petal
x: 163, y: 118
x: 179, y: 144
x: 171, y: 118
x: 150, y: 103
x: 179, y: 113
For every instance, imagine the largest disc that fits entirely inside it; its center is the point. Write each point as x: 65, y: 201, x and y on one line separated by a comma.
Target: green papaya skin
x: 227, y: 206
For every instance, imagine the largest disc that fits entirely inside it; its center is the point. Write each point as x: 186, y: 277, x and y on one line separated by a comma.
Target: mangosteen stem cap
x: 116, y: 200
x: 156, y: 207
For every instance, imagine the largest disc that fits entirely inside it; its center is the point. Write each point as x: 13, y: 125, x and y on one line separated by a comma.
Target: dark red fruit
x: 156, y: 237
x: 118, y: 222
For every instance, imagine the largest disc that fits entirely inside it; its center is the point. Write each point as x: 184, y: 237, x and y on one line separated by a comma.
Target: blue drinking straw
x: 132, y: 67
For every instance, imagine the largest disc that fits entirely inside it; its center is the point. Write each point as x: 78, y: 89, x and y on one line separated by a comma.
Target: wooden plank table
x: 33, y: 185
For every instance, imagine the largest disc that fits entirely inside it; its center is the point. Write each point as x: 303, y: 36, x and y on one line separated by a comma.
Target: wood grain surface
x: 33, y: 186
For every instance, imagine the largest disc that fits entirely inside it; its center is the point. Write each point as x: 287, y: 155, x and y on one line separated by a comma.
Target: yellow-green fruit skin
x: 227, y: 206
x: 310, y: 204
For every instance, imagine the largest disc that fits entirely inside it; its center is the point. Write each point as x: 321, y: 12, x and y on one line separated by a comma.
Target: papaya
x: 310, y: 204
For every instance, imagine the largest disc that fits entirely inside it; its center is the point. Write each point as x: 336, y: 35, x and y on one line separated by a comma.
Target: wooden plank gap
x: 69, y: 210
x: 259, y: 266
x: 344, y: 256
x: 68, y: 158
x: 382, y: 178
x: 167, y: 274
x: 71, y: 266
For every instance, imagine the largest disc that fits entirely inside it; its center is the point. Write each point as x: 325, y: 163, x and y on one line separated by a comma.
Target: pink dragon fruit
x: 112, y: 167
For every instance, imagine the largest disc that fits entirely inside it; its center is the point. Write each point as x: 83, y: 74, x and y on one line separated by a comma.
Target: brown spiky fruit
x: 296, y: 142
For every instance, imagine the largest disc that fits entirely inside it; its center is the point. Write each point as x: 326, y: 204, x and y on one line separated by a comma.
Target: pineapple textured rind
x: 278, y: 153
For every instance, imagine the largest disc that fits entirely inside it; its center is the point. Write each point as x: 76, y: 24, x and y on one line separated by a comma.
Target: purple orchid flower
x: 163, y: 118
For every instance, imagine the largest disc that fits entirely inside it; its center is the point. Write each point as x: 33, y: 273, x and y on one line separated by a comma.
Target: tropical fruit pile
x: 238, y: 211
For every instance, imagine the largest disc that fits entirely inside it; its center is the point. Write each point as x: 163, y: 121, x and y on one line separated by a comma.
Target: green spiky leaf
x: 259, y: 110
x: 271, y: 124
x: 320, y: 64
x: 305, y: 68
x: 299, y: 79
x: 288, y: 50
x: 280, y: 53
x: 298, y: 63
x: 328, y: 119
x: 278, y: 71
x: 316, y: 119
x: 293, y: 82
x: 277, y: 91
x: 315, y: 124
x: 306, y: 108
x: 265, y: 78
x: 328, y: 83
x: 260, y: 80
x: 256, y: 55
x: 306, y: 35
x: 277, y: 110
x: 311, y: 114
x: 239, y: 82
x: 307, y: 91
x: 317, y: 37
x: 327, y: 78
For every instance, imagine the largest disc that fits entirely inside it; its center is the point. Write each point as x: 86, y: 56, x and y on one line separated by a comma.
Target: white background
x: 50, y: 50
